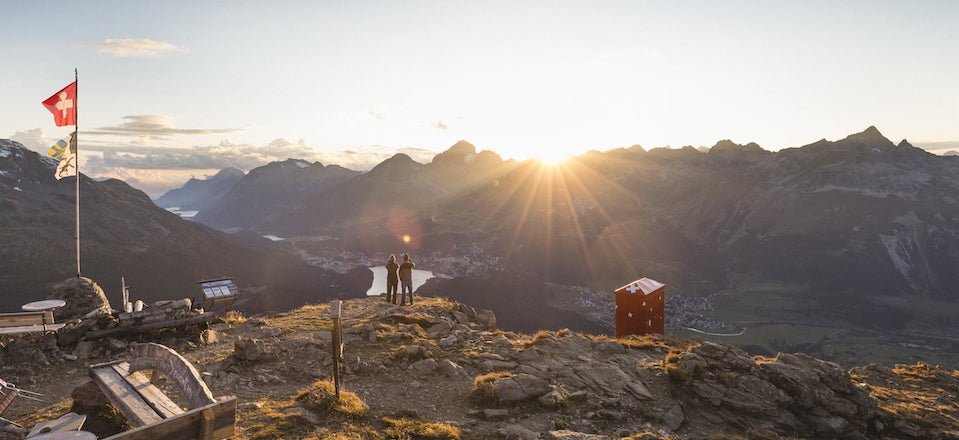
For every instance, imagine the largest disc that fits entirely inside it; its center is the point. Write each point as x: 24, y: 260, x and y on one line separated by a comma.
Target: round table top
x: 65, y: 435
x: 47, y: 304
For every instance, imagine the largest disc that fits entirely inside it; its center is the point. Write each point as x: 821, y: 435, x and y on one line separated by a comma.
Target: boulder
x: 519, y: 387
x: 461, y: 317
x: 452, y: 369
x: 440, y: 330
x: 448, y: 342
x: 424, y: 367
x: 566, y: 434
x: 487, y: 318
x: 495, y: 414
x: 552, y: 400
x: 84, y: 350
x: 674, y: 418
x: 88, y: 395
x: 83, y: 297
x: 10, y: 431
x: 303, y: 414
x: 517, y: 432
x: 249, y: 349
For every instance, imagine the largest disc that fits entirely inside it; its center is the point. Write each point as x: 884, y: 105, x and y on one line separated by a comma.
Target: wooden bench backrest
x: 8, y: 399
x: 159, y: 358
x: 211, y: 422
x: 23, y: 319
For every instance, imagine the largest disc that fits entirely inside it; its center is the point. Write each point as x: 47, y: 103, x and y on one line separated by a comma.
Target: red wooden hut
x: 641, y: 308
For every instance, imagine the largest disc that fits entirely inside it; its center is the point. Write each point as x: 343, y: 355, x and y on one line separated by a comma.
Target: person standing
x: 406, y: 278
x: 392, y: 279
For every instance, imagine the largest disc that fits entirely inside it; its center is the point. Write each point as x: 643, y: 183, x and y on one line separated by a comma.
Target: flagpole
x: 76, y: 128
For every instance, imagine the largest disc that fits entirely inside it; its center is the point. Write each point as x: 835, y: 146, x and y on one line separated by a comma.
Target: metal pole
x: 76, y: 140
x: 337, y: 344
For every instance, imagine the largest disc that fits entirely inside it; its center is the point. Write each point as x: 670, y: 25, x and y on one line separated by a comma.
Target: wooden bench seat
x: 152, y: 412
x: 140, y: 402
x: 27, y: 322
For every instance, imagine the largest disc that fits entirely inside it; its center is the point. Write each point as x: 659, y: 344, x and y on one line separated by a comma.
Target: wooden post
x: 337, y: 344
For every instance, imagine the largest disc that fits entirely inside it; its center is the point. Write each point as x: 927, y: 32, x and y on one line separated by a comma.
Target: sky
x: 175, y: 89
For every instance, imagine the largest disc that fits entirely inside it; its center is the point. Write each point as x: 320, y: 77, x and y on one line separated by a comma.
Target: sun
x: 551, y: 157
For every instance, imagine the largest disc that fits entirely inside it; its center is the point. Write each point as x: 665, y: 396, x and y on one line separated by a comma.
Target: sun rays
x: 558, y: 212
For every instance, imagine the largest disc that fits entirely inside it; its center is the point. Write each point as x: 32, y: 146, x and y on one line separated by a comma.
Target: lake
x: 379, y: 280
x: 185, y: 214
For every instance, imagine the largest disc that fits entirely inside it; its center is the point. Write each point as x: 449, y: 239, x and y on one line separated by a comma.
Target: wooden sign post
x: 337, y: 344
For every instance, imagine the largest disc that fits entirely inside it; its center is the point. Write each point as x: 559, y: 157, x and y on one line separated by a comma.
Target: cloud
x: 137, y: 48
x: 242, y: 156
x: 33, y: 139
x: 440, y: 125
x: 156, y: 169
x: 939, y: 147
x: 376, y: 115
x: 145, y: 127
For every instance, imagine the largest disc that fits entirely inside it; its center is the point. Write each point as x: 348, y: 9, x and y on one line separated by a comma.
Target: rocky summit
x: 442, y: 369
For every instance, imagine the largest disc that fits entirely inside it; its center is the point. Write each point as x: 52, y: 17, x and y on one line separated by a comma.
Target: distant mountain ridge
x: 196, y: 194
x: 273, y: 190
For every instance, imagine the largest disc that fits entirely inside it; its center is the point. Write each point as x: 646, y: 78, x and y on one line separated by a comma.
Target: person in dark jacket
x: 406, y: 278
x: 392, y: 279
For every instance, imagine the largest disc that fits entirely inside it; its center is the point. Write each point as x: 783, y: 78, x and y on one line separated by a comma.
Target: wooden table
x: 43, y: 306
x: 71, y: 435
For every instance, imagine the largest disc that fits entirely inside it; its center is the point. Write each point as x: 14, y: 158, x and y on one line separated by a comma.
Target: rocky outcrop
x: 83, y: 296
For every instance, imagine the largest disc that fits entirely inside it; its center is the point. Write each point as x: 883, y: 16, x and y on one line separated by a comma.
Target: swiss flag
x: 63, y: 105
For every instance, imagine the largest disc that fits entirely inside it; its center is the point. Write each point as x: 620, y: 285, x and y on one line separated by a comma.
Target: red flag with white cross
x: 63, y: 105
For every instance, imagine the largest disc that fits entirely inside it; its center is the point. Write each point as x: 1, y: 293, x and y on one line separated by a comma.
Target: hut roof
x: 645, y: 285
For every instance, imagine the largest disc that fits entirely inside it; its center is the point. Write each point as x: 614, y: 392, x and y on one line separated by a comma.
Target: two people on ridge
x: 399, y: 273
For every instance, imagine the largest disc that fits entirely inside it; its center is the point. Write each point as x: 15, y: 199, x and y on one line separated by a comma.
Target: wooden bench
x: 27, y: 322
x: 153, y: 413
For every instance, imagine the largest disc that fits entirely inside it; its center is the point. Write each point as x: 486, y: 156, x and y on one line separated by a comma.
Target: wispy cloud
x: 939, y: 147
x: 137, y: 48
x: 440, y: 125
x: 33, y: 139
x: 157, y: 169
x: 153, y: 126
x: 242, y: 156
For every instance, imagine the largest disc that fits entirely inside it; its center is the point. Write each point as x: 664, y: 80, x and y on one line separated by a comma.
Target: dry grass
x: 682, y: 370
x: 307, y: 318
x: 404, y: 429
x: 234, y: 318
x: 348, y: 432
x: 644, y: 342
x: 321, y: 399
x: 269, y: 422
x: 483, y: 385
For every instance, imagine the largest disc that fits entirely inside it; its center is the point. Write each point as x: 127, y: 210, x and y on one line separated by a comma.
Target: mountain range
x: 125, y: 234
x: 860, y: 232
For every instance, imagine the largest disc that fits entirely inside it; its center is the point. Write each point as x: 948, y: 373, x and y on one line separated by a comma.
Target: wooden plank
x: 67, y: 422
x: 187, y: 426
x: 124, y: 397
x: 30, y: 329
x: 8, y: 399
x: 206, y: 423
x: 21, y: 319
x: 199, y: 319
x: 157, y: 400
